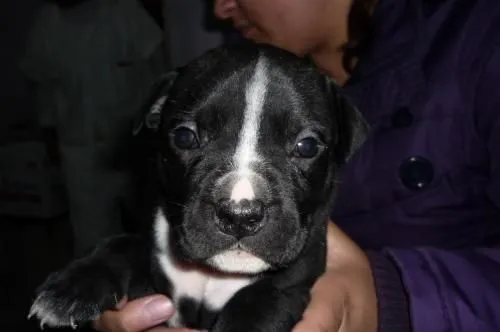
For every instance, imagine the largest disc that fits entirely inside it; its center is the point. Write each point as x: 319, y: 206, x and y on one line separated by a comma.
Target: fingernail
x: 159, y: 309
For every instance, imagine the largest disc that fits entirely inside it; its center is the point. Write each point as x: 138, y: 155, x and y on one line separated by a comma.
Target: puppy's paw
x: 77, y: 295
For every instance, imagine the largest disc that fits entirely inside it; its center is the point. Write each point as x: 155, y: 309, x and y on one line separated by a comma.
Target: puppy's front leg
x: 263, y: 308
x: 88, y: 286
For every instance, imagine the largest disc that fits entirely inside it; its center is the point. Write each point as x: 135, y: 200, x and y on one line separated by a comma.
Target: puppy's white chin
x: 238, y: 261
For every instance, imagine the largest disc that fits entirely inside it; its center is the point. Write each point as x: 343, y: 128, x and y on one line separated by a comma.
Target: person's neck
x: 331, y: 65
x: 329, y: 56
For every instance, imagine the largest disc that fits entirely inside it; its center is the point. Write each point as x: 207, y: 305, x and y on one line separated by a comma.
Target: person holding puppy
x: 414, y: 242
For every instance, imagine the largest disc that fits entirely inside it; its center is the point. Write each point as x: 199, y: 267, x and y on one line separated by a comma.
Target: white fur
x: 43, y: 309
x: 212, y: 290
x: 246, y: 151
x: 158, y: 105
x: 242, y: 190
x: 234, y: 261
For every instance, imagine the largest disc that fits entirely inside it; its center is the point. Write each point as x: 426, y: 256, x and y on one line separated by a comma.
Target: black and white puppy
x: 250, y: 139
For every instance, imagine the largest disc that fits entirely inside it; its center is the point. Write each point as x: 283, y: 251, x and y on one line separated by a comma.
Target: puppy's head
x: 250, y: 141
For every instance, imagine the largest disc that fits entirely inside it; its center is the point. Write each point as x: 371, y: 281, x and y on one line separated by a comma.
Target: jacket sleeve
x: 432, y: 290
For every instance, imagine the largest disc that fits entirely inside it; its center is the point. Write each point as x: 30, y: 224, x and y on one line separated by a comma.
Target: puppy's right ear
x: 150, y: 115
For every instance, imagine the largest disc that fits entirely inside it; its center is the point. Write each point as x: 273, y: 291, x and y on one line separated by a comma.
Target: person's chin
x: 253, y: 34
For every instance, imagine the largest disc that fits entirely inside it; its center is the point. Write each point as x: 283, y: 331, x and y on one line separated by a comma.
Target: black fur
x: 295, y: 194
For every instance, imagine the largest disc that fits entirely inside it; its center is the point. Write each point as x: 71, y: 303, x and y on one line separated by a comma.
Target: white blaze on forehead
x: 246, y: 151
x: 254, y: 97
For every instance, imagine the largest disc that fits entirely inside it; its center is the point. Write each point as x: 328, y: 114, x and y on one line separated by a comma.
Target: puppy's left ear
x: 352, y: 128
x: 149, y: 117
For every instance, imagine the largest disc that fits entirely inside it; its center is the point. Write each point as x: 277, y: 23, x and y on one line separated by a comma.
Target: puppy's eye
x: 307, y: 148
x: 185, y: 138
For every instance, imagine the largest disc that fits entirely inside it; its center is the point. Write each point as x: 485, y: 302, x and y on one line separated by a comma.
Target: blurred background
x: 73, y: 76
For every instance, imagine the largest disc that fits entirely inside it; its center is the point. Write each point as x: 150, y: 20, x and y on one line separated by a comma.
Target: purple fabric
x: 424, y: 191
x: 394, y: 312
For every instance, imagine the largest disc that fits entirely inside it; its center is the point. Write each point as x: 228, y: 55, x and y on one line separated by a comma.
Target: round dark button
x: 416, y: 172
x: 402, y: 118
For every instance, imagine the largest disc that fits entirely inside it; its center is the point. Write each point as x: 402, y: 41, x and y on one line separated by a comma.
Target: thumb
x: 136, y: 315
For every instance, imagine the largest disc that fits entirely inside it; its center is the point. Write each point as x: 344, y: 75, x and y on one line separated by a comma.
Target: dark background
x: 35, y: 235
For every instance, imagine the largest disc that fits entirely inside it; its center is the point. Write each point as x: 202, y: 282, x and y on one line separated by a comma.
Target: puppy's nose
x: 240, y: 218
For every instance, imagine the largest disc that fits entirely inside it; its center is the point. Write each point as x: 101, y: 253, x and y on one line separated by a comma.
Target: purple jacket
x: 422, y: 196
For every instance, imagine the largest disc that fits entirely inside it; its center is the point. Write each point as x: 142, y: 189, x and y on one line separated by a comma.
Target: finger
x: 324, y: 312
x: 122, y: 303
x: 165, y: 329
x: 137, y: 315
x: 308, y: 326
x: 318, y: 317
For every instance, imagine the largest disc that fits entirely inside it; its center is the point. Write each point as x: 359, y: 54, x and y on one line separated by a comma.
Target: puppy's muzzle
x: 240, y: 218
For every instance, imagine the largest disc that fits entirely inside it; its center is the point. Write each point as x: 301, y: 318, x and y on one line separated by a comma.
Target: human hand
x: 141, y: 315
x: 344, y: 298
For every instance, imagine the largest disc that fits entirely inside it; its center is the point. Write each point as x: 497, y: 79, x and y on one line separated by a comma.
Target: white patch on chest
x: 246, y: 151
x: 212, y: 290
